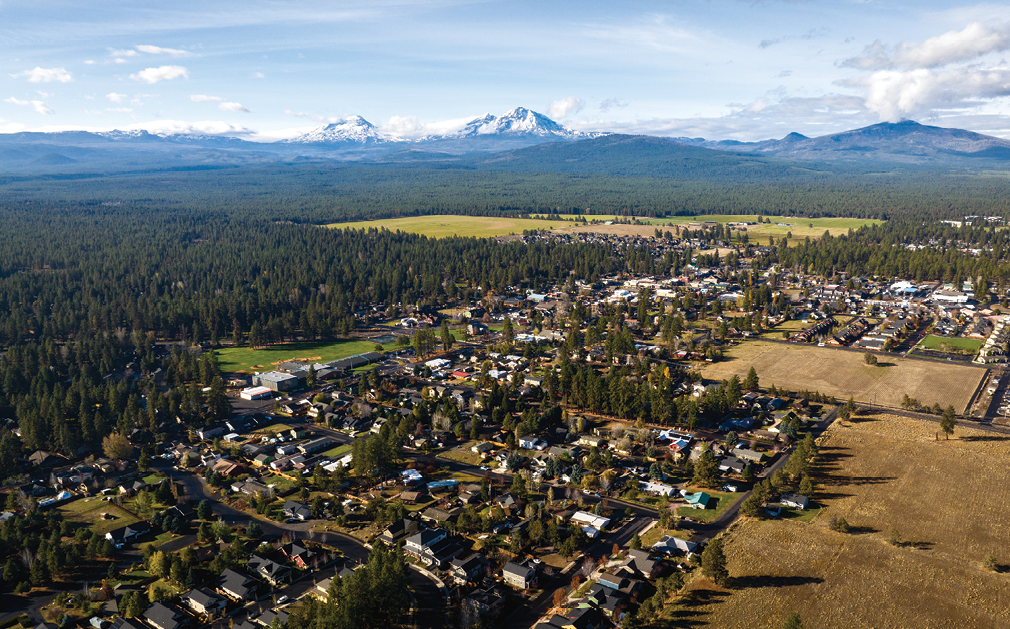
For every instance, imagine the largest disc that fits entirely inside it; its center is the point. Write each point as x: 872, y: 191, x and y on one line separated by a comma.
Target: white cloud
x: 43, y: 94
x: 203, y: 98
x: 894, y: 94
x: 161, y: 73
x: 612, y: 103
x: 157, y: 50
x: 89, y: 62
x: 410, y: 127
x: 236, y: 107
x: 973, y: 41
x: 115, y: 98
x: 37, y: 105
x: 120, y: 110
x: 562, y: 108
x: 258, y: 75
x: 45, y: 75
x: 120, y: 54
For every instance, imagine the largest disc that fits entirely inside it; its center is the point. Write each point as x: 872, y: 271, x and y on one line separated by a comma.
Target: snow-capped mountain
x: 519, y: 121
x: 353, y: 130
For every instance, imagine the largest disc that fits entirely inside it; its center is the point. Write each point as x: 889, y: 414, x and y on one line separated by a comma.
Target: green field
x: 439, y: 226
x: 89, y: 511
x: 946, y: 344
x: 443, y: 226
x: 246, y: 360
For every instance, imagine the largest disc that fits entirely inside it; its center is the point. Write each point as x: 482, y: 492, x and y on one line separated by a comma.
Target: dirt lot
x: 843, y: 373
x: 879, y: 472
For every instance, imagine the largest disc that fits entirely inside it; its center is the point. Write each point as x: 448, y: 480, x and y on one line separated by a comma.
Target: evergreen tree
x: 713, y: 562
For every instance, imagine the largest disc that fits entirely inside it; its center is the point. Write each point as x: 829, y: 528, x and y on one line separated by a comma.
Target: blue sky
x: 720, y: 69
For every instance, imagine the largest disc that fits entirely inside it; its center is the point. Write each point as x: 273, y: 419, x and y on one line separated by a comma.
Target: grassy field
x: 843, y: 374
x: 338, y: 451
x: 945, y: 344
x: 944, y: 498
x: 441, y: 226
x: 247, y: 360
x: 724, y: 500
x: 89, y: 511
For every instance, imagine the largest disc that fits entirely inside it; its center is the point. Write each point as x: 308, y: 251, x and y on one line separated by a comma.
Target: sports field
x: 946, y: 344
x: 439, y: 226
x: 442, y: 226
x: 943, y: 500
x: 246, y: 360
x: 843, y: 373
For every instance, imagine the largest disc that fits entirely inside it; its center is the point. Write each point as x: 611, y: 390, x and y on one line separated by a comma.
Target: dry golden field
x: 843, y: 374
x: 947, y: 497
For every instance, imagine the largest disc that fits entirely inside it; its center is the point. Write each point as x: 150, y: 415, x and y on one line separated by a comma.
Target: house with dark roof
x: 469, y: 569
x: 204, y: 602
x: 796, y: 501
x: 296, y: 510
x: 298, y: 554
x: 123, y: 623
x: 519, y: 575
x: 161, y: 616
x: 267, y: 618
x: 399, y: 530
x: 237, y: 585
x: 270, y: 570
x: 128, y: 533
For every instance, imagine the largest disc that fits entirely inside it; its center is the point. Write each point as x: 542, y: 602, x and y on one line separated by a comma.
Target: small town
x: 552, y: 455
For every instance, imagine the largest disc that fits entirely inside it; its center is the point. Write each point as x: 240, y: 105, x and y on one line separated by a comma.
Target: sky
x: 718, y: 69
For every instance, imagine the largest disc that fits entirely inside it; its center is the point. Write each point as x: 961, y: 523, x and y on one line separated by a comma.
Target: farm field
x: 444, y: 226
x: 878, y: 472
x: 89, y: 511
x: 247, y: 360
x: 943, y: 343
x: 842, y: 374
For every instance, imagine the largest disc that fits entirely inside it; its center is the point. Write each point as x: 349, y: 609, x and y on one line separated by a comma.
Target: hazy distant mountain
x: 904, y: 142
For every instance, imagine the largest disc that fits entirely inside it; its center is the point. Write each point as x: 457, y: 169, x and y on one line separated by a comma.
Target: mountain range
x: 518, y: 139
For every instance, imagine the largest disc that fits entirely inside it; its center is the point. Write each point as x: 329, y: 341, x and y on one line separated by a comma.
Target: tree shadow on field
x: 984, y: 438
x: 886, y: 364
x: 861, y: 530
x: 864, y: 418
x: 771, y: 581
x: 686, y: 613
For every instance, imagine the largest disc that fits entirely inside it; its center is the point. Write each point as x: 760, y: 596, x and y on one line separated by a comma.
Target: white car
x: 282, y: 599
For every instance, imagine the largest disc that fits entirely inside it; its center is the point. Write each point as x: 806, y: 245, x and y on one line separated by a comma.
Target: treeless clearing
x: 878, y: 472
x: 843, y: 373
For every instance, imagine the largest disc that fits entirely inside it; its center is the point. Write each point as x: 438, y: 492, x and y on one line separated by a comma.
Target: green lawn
x: 338, y: 451
x: 89, y: 511
x: 247, y: 360
x: 945, y: 344
x: 807, y: 515
x: 725, y: 499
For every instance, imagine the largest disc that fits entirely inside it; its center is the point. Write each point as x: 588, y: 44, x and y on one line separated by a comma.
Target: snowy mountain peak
x: 352, y: 130
x: 519, y: 121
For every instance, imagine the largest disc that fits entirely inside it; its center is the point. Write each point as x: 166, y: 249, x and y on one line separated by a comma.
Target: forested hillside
x: 339, y: 192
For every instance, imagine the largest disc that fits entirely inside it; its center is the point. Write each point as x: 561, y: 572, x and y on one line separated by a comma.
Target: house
x: 641, y: 563
x: 270, y: 570
x: 592, y: 441
x: 128, y: 533
x: 796, y: 501
x: 519, y: 575
x: 122, y: 623
x: 659, y: 489
x: 237, y: 586
x: 296, y: 510
x: 698, y: 500
x: 482, y: 448
x: 315, y: 445
x: 253, y: 488
x: 204, y: 602
x: 298, y: 555
x: 438, y: 516
x: 751, y: 456
x: 486, y: 604
x: 398, y: 531
x: 161, y: 616
x: 416, y: 544
x: 469, y: 569
x: 532, y: 443
x: 267, y: 618
x: 669, y: 544
x: 584, y: 519
x: 731, y: 463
